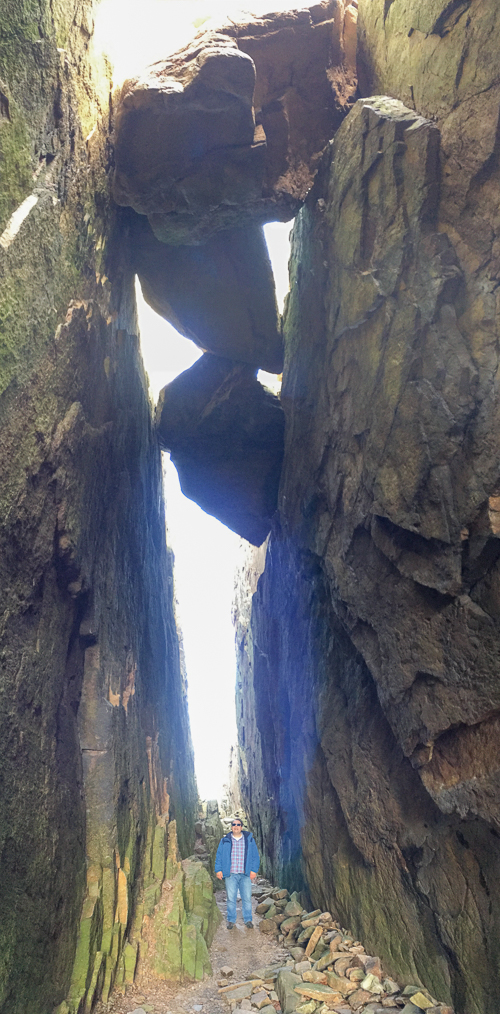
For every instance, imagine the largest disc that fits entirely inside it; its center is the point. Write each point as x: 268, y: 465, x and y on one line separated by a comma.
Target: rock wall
x: 370, y: 695
x: 94, y: 737
x: 178, y: 919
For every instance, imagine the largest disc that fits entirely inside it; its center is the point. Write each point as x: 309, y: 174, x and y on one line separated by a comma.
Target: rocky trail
x: 291, y: 962
x: 240, y: 949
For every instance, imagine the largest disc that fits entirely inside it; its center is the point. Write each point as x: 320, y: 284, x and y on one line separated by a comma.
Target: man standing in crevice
x: 237, y: 860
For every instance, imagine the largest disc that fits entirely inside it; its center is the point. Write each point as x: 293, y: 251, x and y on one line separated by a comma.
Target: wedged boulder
x: 185, y: 134
x: 220, y: 295
x: 197, y: 152
x: 305, y: 63
x: 224, y: 432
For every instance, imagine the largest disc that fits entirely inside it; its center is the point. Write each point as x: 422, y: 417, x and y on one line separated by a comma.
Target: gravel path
x: 242, y: 949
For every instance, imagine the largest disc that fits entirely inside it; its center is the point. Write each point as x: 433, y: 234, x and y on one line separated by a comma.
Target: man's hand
x: 219, y: 875
x: 252, y: 876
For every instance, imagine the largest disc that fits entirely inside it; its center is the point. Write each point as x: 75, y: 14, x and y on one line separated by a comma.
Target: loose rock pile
x: 328, y: 969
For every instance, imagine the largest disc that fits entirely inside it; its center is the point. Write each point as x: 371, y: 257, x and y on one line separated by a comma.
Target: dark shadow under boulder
x: 224, y: 432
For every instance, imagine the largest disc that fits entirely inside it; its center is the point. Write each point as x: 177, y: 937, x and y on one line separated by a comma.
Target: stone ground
x: 244, y: 950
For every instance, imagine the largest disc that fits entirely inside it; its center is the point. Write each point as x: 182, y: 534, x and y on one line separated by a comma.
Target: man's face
x: 236, y: 826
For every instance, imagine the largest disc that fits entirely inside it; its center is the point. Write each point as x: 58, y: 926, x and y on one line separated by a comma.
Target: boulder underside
x: 224, y: 432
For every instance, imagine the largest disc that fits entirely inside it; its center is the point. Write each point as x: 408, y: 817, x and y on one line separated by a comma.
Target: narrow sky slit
x: 206, y: 554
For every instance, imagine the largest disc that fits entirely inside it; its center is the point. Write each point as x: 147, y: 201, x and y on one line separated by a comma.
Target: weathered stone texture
x: 224, y: 431
x: 409, y: 467
x: 176, y: 925
x: 89, y: 654
x: 305, y: 64
x: 211, y: 833
x: 378, y: 608
x: 228, y: 132
x: 442, y: 60
x: 185, y: 135
x: 220, y: 295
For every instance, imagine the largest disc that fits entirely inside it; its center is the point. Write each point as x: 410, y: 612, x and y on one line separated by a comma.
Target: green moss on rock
x: 158, y: 853
x: 129, y: 962
x: 84, y: 960
x: 15, y: 163
x: 199, y: 898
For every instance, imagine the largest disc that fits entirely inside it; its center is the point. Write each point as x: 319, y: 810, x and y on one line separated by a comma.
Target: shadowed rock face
x: 384, y: 720
x: 197, y: 151
x: 221, y: 294
x: 224, y: 432
x: 94, y: 732
x: 305, y: 63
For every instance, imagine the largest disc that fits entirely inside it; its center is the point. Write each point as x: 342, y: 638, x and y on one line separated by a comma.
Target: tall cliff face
x: 94, y: 734
x: 369, y: 665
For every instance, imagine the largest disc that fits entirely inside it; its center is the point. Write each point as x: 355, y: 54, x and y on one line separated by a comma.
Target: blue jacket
x: 223, y: 856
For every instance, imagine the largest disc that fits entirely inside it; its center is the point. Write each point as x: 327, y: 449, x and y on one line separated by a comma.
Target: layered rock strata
x: 368, y: 720
x: 94, y: 741
x: 224, y: 431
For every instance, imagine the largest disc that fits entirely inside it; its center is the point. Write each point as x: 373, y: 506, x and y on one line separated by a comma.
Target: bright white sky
x: 134, y: 33
x: 206, y: 554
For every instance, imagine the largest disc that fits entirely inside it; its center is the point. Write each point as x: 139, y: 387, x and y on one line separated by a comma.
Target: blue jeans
x: 233, y: 882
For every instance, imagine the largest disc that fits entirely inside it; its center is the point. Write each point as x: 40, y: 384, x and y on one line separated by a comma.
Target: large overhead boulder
x: 221, y: 294
x: 185, y: 135
x: 224, y: 432
x: 197, y: 152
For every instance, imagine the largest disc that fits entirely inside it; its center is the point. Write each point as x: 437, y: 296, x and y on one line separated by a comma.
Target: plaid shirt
x: 237, y: 854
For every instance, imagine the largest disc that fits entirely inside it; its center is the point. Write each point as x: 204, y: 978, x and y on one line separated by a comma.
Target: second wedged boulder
x: 224, y: 432
x: 220, y: 295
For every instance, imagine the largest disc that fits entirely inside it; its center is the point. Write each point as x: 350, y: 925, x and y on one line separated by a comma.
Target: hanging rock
x: 305, y: 66
x: 196, y: 152
x: 224, y: 432
x: 185, y: 135
x: 220, y: 295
